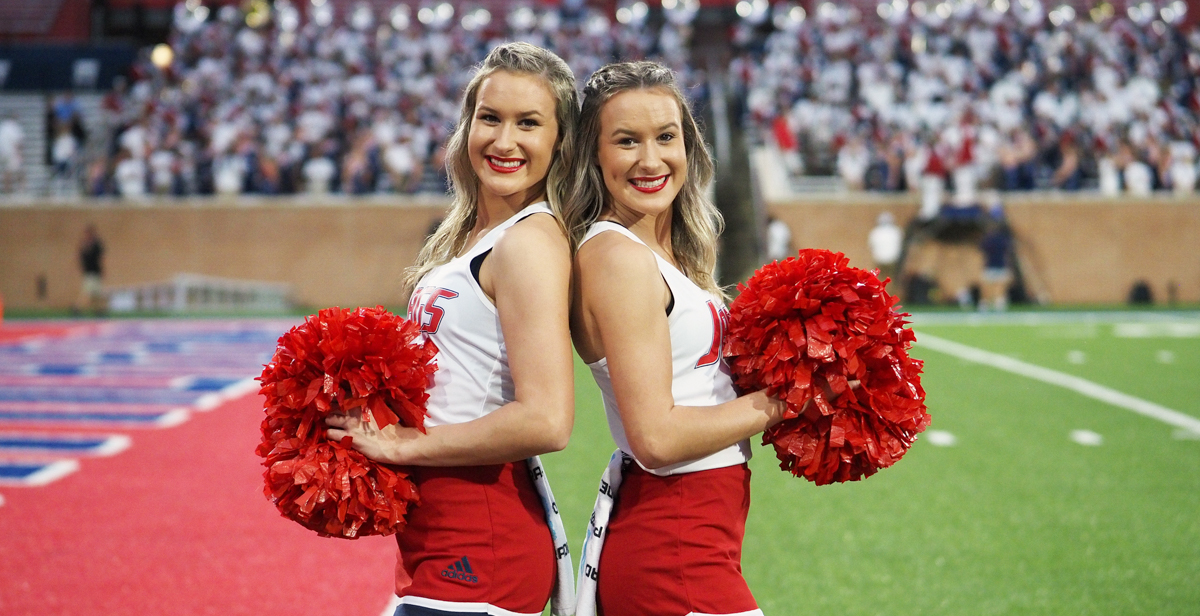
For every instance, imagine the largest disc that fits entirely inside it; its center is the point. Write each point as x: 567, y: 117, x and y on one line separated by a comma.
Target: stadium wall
x: 1082, y: 249
x: 347, y: 253
x: 1077, y: 248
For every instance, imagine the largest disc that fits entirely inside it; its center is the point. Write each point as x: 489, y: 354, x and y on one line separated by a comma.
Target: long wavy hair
x: 695, y: 221
x: 521, y: 59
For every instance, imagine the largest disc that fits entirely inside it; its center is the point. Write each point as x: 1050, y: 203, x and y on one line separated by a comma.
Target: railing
x: 196, y: 293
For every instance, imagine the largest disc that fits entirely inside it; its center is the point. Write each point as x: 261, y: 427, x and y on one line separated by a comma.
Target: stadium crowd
x: 326, y: 103
x: 980, y: 95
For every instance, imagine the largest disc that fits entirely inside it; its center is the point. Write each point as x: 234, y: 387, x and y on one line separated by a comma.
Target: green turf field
x: 1016, y: 516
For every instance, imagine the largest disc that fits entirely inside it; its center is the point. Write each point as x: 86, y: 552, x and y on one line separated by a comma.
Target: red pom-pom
x: 340, y: 359
x: 814, y: 318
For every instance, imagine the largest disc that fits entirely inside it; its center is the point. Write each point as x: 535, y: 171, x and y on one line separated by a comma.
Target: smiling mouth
x: 650, y: 185
x: 504, y: 165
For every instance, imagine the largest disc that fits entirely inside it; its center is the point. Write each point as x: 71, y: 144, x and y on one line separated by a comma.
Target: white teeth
x: 651, y: 183
x: 506, y: 164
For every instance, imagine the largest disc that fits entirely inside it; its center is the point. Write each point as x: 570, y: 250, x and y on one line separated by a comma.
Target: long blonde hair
x: 695, y: 221
x: 452, y: 233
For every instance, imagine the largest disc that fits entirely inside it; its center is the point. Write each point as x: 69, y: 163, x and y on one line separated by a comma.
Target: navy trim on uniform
x: 477, y: 264
x: 417, y: 610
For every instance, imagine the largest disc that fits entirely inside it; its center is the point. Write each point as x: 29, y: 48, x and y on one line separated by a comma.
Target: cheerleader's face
x: 641, y: 152
x: 512, y: 137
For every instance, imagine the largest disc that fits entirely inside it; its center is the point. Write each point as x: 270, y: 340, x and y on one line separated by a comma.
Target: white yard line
x: 1053, y: 377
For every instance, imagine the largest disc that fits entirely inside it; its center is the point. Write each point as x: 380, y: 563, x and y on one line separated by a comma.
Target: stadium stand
x: 343, y: 98
x: 983, y: 95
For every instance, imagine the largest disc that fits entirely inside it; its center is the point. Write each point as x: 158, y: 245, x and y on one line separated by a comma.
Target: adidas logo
x: 461, y: 570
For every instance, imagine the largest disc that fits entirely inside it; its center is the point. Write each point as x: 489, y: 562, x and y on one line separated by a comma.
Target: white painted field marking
x: 1077, y: 357
x: 1053, y: 377
x: 1156, y: 330
x: 1087, y: 437
x: 941, y: 438
x: 392, y: 604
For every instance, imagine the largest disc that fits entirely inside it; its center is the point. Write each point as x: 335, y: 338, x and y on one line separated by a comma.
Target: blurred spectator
x: 779, y: 240
x: 1181, y: 169
x: 1136, y: 176
x: 129, y: 175
x: 886, y: 242
x: 994, y: 88
x: 315, y: 105
x: 1017, y: 159
x: 933, y: 184
x: 997, y: 247
x: 91, y: 264
x: 1068, y: 175
x: 12, y: 138
x: 852, y: 162
x: 63, y: 153
x: 1110, y: 175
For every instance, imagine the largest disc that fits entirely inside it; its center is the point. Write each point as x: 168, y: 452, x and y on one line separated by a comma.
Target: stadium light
x: 287, y: 16
x: 229, y: 14
x: 474, y: 20
x: 826, y: 11
x: 681, y: 13
x: 634, y: 14
x: 596, y: 24
x: 1173, y: 12
x: 788, y: 17
x: 361, y: 17
x: 753, y: 11
x: 1102, y: 12
x: 522, y: 19
x: 400, y: 17
x: 1061, y: 15
x: 162, y: 56
x: 918, y: 44
x: 322, y: 14
x: 639, y: 10
x: 943, y: 10
x: 189, y: 16
x: 1141, y: 14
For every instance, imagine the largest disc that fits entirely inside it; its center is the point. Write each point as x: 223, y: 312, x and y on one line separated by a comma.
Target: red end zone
x: 178, y: 525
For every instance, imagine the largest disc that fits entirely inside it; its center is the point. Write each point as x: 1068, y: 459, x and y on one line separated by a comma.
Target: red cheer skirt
x: 478, y: 536
x: 674, y: 545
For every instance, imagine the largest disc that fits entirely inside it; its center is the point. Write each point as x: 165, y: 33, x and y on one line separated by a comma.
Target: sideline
x: 1013, y: 317
x: 1053, y: 377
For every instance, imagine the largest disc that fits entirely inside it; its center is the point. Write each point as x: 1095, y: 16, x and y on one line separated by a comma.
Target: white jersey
x: 473, y: 377
x: 700, y: 377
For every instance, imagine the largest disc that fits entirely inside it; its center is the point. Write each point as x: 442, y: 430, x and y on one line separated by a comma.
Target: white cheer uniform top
x: 700, y: 377
x: 472, y: 378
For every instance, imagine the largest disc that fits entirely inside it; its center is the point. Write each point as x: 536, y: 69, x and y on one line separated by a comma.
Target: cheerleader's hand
x: 827, y: 392
x: 387, y: 445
